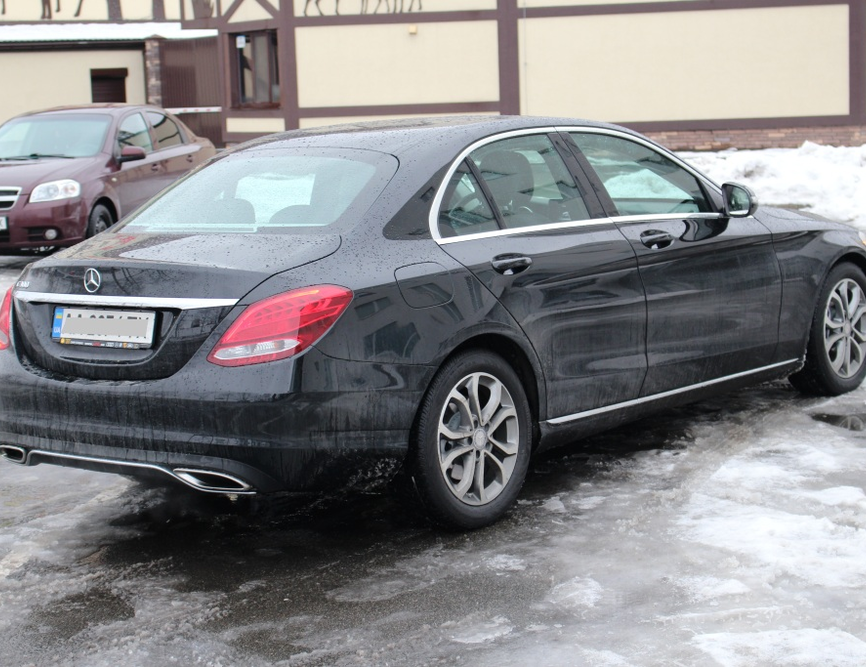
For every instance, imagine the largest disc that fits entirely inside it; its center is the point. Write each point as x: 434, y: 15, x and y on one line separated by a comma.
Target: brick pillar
x: 153, y: 70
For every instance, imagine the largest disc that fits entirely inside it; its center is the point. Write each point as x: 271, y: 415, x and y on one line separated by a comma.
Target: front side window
x: 256, y: 71
x: 166, y: 130
x: 272, y: 191
x: 639, y: 180
x: 133, y: 132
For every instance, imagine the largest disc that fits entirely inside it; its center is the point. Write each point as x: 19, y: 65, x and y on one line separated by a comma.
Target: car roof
x: 109, y: 108
x: 414, y: 136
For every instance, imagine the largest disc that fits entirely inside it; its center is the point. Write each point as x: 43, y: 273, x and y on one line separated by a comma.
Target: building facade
x: 68, y: 63
x: 692, y: 73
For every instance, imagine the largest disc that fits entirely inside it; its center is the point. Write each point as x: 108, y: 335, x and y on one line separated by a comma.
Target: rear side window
x: 464, y: 208
x: 166, y: 130
x: 527, y: 182
x: 639, y: 180
x: 270, y: 191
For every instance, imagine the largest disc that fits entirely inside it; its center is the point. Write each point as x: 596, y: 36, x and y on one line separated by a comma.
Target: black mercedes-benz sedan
x: 435, y: 298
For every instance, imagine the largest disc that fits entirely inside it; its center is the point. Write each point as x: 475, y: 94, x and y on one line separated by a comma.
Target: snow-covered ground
x: 826, y: 180
x: 731, y: 533
x: 727, y: 534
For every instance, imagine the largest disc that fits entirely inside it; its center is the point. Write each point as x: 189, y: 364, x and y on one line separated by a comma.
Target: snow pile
x: 827, y: 180
x: 785, y: 647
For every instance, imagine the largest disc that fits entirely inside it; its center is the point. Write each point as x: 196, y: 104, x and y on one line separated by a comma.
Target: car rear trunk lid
x: 147, y: 302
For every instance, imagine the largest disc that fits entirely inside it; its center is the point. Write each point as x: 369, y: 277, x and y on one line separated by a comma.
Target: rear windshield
x: 60, y: 135
x: 270, y: 191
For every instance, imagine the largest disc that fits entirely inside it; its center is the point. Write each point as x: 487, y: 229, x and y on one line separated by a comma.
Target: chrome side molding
x: 665, y: 394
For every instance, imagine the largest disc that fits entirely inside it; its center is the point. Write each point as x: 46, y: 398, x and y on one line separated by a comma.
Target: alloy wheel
x: 479, y: 439
x: 845, y: 328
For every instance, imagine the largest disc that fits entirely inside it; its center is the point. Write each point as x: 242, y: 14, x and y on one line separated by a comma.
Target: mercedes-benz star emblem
x: 92, y: 280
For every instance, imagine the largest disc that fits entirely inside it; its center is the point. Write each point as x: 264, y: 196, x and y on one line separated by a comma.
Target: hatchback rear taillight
x: 6, y: 320
x: 281, y: 326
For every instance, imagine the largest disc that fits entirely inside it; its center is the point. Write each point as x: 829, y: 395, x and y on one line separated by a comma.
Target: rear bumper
x: 335, y: 425
x: 204, y: 475
x: 244, y: 472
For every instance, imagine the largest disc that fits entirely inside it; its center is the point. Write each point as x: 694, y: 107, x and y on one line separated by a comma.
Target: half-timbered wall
x: 696, y: 73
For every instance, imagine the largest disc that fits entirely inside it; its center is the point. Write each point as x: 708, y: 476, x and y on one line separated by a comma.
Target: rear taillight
x: 6, y: 320
x: 281, y: 326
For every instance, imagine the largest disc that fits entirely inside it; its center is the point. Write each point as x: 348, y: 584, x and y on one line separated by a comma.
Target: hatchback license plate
x: 127, y: 329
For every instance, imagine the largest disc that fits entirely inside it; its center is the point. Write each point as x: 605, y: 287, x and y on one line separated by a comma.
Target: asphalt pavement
x: 729, y: 533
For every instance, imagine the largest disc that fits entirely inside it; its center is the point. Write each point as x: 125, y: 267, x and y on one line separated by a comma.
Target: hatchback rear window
x: 270, y: 191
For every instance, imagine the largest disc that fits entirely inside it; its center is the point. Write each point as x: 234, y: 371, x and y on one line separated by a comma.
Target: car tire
x: 836, y: 351
x: 471, y: 441
x: 99, y: 220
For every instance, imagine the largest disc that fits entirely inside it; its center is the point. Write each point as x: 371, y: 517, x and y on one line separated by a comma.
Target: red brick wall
x: 713, y: 140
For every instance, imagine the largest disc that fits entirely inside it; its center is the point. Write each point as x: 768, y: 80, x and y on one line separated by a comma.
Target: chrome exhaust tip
x: 213, y: 482
x: 14, y: 454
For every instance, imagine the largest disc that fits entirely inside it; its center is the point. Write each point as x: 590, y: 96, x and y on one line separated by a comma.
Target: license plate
x: 93, y: 327
x: 4, y: 223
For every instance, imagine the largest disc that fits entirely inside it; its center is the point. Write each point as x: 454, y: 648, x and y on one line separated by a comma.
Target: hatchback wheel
x: 100, y: 219
x: 472, y: 441
x: 836, y: 352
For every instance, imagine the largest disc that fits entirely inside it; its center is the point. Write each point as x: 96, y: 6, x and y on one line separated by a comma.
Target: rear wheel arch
x: 426, y: 486
x: 519, y: 360
x: 472, y: 437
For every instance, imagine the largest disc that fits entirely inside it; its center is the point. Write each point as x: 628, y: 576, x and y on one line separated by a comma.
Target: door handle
x: 508, y: 265
x: 189, y: 158
x: 154, y: 167
x: 656, y: 239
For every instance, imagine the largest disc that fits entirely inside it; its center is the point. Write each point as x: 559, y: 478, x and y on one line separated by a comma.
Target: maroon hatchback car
x: 71, y: 172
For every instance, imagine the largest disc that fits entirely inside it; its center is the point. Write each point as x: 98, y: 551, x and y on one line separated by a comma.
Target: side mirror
x: 131, y: 154
x: 740, y: 202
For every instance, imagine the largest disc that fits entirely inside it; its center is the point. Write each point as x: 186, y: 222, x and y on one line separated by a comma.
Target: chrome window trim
x: 433, y: 221
x: 648, y: 144
x: 122, y: 301
x: 440, y: 191
x: 549, y: 227
x: 665, y: 394
x: 577, y: 224
x: 661, y: 217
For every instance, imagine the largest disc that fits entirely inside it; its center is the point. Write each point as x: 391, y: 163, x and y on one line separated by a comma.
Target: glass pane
x: 275, y: 191
x: 133, y: 132
x: 79, y: 135
x: 275, y: 68
x: 167, y: 131
x: 529, y: 182
x: 639, y: 180
x: 261, y: 67
x: 258, y: 72
x: 464, y: 208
